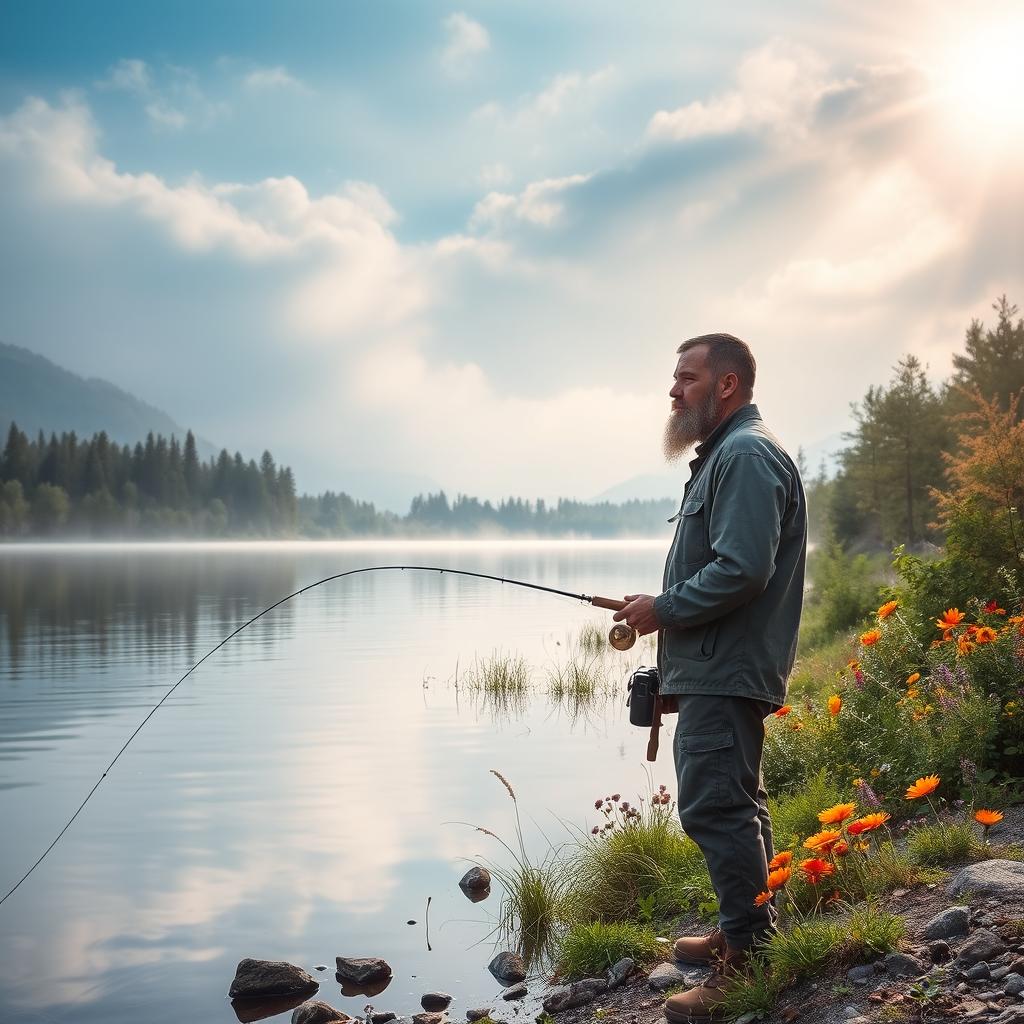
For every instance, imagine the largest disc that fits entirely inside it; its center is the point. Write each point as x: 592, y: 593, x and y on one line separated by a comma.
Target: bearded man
x: 727, y: 622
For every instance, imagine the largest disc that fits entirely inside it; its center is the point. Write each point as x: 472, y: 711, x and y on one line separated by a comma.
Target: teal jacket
x: 734, y: 576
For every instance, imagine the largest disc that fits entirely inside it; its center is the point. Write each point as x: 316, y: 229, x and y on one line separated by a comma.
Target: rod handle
x: 608, y: 602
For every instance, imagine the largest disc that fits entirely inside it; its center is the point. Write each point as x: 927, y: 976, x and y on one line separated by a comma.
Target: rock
x: 618, y: 973
x: 998, y: 973
x: 939, y: 951
x: 565, y: 997
x: 1012, y: 1015
x: 861, y: 974
x: 256, y: 978
x: 665, y: 976
x: 363, y: 970
x: 517, y: 991
x: 962, y: 989
x: 1000, y: 878
x: 746, y: 1018
x: 382, y: 1018
x: 900, y: 965
x: 954, y: 921
x: 475, y: 878
x: 478, y: 1014
x: 1013, y: 985
x: 435, y: 1002
x: 980, y: 946
x: 427, y: 1018
x: 979, y: 972
x: 508, y: 968
x: 317, y: 1012
x: 850, y: 1012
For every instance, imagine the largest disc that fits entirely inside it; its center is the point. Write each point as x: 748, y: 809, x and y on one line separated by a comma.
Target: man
x: 727, y: 624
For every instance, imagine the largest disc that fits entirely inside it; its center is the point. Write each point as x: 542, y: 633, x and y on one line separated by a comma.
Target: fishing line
x: 600, y: 602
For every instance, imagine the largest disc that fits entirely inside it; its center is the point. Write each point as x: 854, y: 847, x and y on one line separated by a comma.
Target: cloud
x: 127, y: 75
x: 467, y: 39
x: 778, y: 88
x: 277, y: 77
x: 538, y: 204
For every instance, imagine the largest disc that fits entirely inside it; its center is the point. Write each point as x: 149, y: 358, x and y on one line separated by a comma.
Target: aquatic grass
x: 592, y: 638
x: 500, y: 673
x: 579, y: 683
x: 591, y: 948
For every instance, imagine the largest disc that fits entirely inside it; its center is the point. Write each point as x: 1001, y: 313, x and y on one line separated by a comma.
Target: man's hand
x: 639, y: 613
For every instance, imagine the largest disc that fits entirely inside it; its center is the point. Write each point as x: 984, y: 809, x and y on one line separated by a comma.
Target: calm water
x: 303, y: 793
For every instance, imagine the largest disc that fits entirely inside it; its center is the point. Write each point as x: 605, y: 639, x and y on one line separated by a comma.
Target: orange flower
x: 762, y: 898
x: 816, y: 869
x: 853, y: 665
x: 841, y: 849
x: 887, y: 609
x: 985, y: 635
x: 778, y: 878
x: 822, y: 842
x: 783, y: 711
x: 988, y: 818
x: 913, y: 678
x: 923, y: 787
x: 837, y: 814
x: 781, y: 860
x: 835, y: 702
x: 867, y: 823
x: 950, y: 617
x: 870, y: 638
x: 964, y: 646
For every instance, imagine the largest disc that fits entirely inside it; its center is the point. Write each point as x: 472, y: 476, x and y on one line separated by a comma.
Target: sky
x: 424, y: 244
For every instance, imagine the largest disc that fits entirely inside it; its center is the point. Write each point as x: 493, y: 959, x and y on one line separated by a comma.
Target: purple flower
x: 868, y: 795
x: 969, y: 771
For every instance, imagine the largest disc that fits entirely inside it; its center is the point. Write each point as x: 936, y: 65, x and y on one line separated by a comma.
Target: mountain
x: 647, y: 486
x: 39, y: 395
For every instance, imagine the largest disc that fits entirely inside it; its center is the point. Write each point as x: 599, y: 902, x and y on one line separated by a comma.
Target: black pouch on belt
x: 642, y: 692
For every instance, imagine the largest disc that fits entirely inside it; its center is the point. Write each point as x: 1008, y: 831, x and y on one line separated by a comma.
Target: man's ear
x: 728, y: 384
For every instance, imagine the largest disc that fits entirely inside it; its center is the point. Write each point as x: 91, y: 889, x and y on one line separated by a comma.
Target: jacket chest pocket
x: 692, y: 526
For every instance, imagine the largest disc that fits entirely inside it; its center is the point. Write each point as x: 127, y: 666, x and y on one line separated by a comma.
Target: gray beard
x: 685, y: 428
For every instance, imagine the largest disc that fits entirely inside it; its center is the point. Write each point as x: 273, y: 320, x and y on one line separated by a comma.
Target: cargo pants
x: 723, y: 805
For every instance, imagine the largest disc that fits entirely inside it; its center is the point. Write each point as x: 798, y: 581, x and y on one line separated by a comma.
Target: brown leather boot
x: 707, y: 1002
x: 703, y: 950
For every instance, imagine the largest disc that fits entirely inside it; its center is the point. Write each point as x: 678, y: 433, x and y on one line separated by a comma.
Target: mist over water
x: 306, y: 790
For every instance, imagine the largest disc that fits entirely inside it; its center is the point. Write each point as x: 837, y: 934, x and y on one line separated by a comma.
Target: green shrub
x: 590, y: 949
x: 795, y: 815
x: 943, y: 844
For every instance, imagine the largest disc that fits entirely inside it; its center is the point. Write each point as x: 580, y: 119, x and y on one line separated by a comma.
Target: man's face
x: 696, y: 409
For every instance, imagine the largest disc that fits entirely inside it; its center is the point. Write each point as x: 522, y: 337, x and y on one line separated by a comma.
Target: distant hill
x: 39, y: 395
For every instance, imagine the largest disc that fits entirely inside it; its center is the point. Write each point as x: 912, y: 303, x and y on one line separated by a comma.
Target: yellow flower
x: 835, y: 703
x: 887, y: 609
x: 912, y: 693
x: 853, y: 665
x: 913, y: 678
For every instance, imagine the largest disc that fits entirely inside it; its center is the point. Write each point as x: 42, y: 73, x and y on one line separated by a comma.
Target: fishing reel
x: 621, y: 636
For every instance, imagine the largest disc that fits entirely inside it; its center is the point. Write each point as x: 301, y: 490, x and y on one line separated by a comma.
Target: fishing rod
x: 621, y: 637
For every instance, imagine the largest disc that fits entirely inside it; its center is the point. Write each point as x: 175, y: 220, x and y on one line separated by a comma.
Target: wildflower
x: 597, y: 804
x: 783, y: 711
x: 867, y: 823
x: 816, y: 869
x: 988, y: 818
x: 985, y: 635
x: 797, y: 726
x: 853, y: 665
x: 950, y: 617
x: 614, y: 798
x: 913, y: 693
x: 822, y: 842
x: 837, y: 814
x: 859, y: 679
x: 762, y: 898
x: 923, y: 787
x: 969, y: 770
x: 841, y: 849
x: 993, y: 608
x: 779, y: 877
x: 596, y: 830
x: 964, y: 646
x: 835, y: 702
x: 781, y: 860
x: 862, y: 847
x: 887, y: 609
x: 914, y: 677
x: 870, y: 638
x: 662, y: 788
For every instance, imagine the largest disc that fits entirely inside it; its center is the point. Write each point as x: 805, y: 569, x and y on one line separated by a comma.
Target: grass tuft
x: 938, y: 845
x: 500, y: 673
x: 590, y: 949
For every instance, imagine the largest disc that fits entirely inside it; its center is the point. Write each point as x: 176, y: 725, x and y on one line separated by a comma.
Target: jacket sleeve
x: 751, y: 496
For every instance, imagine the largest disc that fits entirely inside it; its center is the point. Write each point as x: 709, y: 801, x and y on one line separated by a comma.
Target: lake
x: 307, y: 789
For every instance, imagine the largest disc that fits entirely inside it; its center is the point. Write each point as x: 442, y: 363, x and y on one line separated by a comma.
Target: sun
x: 980, y: 79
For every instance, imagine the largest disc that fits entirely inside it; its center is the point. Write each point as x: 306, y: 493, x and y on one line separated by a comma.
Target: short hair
x: 727, y: 354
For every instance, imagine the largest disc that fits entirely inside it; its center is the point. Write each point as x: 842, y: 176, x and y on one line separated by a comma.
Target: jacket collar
x: 727, y: 426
